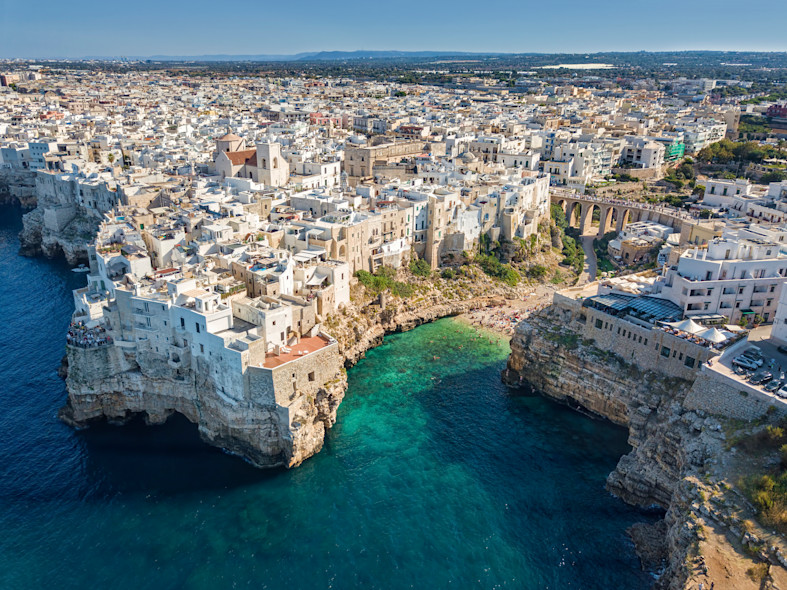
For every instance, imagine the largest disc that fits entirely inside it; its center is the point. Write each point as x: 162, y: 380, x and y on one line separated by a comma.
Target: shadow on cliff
x: 161, y: 460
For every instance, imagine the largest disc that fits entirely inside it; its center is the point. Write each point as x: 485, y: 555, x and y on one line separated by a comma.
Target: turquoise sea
x: 435, y: 476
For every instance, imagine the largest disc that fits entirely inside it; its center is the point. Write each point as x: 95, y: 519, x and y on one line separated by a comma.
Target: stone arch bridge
x: 614, y: 214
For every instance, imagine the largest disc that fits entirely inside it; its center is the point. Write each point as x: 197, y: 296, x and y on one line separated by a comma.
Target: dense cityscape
x: 247, y: 233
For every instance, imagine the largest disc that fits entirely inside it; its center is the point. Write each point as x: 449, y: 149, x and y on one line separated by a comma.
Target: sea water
x: 435, y: 476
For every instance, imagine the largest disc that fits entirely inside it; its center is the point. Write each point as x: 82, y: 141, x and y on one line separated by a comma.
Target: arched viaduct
x: 614, y: 214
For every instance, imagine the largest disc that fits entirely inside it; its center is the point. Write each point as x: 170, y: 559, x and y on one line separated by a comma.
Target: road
x: 589, y: 272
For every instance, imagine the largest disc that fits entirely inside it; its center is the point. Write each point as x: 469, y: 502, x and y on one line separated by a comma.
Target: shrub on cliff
x: 420, y: 268
x: 493, y: 267
x: 768, y: 493
x: 537, y: 272
x: 384, y: 279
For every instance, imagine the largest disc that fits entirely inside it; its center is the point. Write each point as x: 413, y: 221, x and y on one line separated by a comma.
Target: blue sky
x: 76, y: 28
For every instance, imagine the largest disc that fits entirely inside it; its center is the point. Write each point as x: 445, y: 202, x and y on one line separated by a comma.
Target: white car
x: 782, y: 393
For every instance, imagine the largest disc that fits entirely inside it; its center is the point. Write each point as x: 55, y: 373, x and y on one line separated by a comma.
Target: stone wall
x: 722, y: 396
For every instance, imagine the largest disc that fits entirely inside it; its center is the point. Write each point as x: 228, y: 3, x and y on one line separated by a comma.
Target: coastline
x: 503, y: 319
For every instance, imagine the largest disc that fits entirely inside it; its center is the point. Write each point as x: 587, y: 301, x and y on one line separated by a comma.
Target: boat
x: 80, y: 268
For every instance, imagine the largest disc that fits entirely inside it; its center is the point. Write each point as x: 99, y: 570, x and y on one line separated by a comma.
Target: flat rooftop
x: 305, y: 347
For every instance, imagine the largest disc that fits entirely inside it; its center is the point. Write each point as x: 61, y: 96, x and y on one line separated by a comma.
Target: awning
x: 316, y: 280
x: 306, y: 255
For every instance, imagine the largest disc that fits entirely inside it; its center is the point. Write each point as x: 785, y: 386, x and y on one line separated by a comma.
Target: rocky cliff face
x: 111, y: 383
x: 18, y: 187
x: 668, y: 443
x: 71, y: 241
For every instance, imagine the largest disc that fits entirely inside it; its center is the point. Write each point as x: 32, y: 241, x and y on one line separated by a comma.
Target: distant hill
x: 313, y: 56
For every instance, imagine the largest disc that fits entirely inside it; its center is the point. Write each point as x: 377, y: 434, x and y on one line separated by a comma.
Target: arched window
x: 275, y: 162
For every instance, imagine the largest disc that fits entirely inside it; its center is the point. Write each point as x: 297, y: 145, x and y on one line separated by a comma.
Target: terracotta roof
x: 243, y: 157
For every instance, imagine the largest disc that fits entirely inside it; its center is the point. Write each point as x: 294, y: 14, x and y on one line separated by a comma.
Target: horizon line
x: 404, y: 52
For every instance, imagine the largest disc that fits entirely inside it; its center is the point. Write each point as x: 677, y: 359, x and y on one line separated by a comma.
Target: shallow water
x: 435, y: 476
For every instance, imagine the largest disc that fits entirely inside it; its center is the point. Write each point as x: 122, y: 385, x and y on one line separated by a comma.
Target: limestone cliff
x: 18, y: 187
x: 116, y: 384
x: 71, y: 240
x: 668, y: 442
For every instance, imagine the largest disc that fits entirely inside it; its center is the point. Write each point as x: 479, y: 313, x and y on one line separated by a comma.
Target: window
x: 197, y: 325
x: 599, y: 324
x: 689, y: 362
x: 311, y: 376
x: 665, y: 352
x: 182, y: 323
x: 202, y: 348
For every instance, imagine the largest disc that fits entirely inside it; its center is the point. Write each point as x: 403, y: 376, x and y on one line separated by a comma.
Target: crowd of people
x: 503, y: 320
x: 80, y: 335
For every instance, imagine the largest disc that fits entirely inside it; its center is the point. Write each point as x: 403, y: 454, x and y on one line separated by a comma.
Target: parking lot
x: 773, y: 360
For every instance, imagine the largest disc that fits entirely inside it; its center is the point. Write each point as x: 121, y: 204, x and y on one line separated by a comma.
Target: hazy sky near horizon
x: 79, y: 28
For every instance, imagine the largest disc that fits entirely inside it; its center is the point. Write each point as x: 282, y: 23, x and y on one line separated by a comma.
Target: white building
x: 737, y: 277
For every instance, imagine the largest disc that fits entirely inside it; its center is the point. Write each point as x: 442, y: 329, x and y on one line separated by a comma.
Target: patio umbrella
x: 712, y: 335
x: 688, y: 325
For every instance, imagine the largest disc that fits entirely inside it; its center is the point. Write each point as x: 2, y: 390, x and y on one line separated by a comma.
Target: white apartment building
x: 735, y: 277
x: 642, y: 153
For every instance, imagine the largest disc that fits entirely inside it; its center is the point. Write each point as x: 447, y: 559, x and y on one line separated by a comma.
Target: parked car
x: 773, y: 386
x: 741, y: 370
x: 761, y: 377
x: 782, y: 349
x: 754, y: 357
x: 782, y: 393
x: 742, y: 361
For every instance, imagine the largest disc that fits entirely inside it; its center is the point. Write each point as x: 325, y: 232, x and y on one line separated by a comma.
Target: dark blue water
x: 434, y: 477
